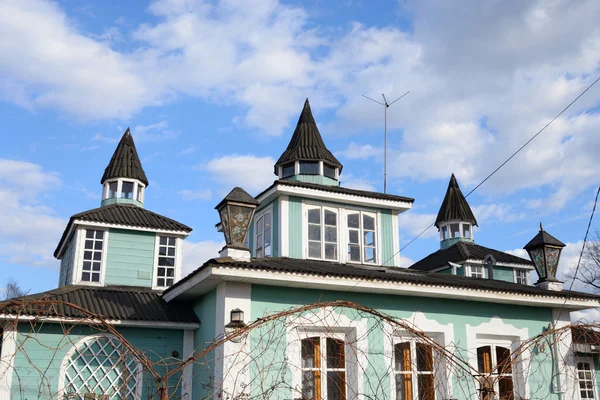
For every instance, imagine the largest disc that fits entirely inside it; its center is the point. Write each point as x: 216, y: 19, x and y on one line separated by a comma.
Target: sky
x: 212, y: 91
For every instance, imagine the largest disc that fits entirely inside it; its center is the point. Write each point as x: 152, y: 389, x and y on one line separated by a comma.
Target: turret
x: 124, y: 180
x: 306, y: 158
x: 455, y: 220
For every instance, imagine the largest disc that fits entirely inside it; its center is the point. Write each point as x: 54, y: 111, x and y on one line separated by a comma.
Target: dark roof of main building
x: 454, y: 206
x: 306, y: 143
x: 111, y: 302
x: 126, y: 215
x: 125, y: 162
x: 463, y: 251
x: 379, y: 274
x: 339, y: 190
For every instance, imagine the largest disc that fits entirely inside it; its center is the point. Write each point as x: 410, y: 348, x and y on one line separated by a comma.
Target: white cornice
x: 207, y: 279
x: 118, y: 322
x: 130, y: 227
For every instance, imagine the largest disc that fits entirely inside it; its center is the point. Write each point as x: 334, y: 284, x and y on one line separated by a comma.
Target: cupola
x: 455, y: 220
x: 306, y: 157
x: 124, y: 180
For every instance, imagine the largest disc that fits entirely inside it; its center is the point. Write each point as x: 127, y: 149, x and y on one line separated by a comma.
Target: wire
x: 505, y: 162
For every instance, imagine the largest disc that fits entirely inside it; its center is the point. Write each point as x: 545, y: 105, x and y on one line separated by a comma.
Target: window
x: 127, y: 190
x: 165, y: 273
x: 467, y: 231
x: 586, y: 379
x: 322, y: 233
x: 323, y: 368
x: 92, y: 256
x: 476, y: 271
x: 112, y: 189
x: 454, y: 228
x: 329, y: 171
x: 288, y: 170
x: 263, y: 234
x: 140, y: 193
x: 521, y: 276
x: 309, y: 168
x: 413, y: 371
x: 361, y: 238
x: 495, y: 364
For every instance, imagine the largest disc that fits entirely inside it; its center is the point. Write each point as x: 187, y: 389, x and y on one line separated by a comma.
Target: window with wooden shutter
x: 323, y: 368
x: 413, y: 365
x: 494, y: 363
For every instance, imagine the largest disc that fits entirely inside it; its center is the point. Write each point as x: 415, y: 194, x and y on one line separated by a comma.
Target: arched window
x: 100, y: 365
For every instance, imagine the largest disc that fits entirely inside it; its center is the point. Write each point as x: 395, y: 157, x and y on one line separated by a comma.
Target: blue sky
x: 212, y: 91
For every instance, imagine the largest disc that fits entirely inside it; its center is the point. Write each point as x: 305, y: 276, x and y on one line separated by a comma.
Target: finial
x: 541, y: 227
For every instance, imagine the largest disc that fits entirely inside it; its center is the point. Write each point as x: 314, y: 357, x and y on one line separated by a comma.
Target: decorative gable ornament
x: 544, y: 250
x: 236, y: 211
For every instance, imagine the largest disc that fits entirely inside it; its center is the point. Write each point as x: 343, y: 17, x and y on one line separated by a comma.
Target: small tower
x: 124, y: 180
x: 455, y: 220
x: 307, y: 158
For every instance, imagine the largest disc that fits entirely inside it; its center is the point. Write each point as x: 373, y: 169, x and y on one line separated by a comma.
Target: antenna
x: 385, y: 105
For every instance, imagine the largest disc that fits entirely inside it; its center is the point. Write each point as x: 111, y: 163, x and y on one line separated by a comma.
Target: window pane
x: 354, y: 252
x: 445, y: 234
x: 288, y: 170
x: 139, y: 193
x: 127, y: 190
x: 267, y: 237
x: 505, y: 387
x: 331, y: 234
x: 260, y: 224
x: 163, y: 240
x: 369, y: 254
x: 309, y: 168
x: 267, y: 221
x: 426, y: 387
x: 314, y: 216
x: 402, y: 356
x: 353, y: 237
x: 503, y: 360
x: 166, y: 262
x: 330, y: 218
x: 171, y: 241
x: 467, y: 230
x: 335, y: 353
x: 85, y: 276
x: 331, y: 251
x: 89, y: 244
x: 353, y: 221
x: 424, y: 357
x: 484, y: 359
x: 368, y: 223
x: 336, y: 385
x: 310, y: 350
x: 267, y: 252
x: 314, y: 249
x: 112, y: 190
x: 314, y: 232
x: 403, y: 387
x: 369, y: 238
x: 329, y: 171
x: 259, y: 241
x: 99, y: 235
x: 98, y: 245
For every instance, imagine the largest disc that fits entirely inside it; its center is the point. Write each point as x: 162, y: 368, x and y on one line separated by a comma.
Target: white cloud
x: 356, y: 151
x: 201, y: 194
x: 497, y: 212
x: 197, y: 253
x: 357, y: 183
x: 249, y: 172
x: 29, y: 230
x: 153, y: 132
x: 411, y: 224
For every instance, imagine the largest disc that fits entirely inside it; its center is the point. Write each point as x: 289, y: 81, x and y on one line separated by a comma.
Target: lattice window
x: 586, y: 380
x: 92, y: 256
x: 100, y: 367
x: 165, y: 273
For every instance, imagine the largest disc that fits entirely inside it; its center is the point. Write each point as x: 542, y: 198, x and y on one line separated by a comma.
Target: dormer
x: 306, y: 157
x: 455, y: 220
x: 124, y: 180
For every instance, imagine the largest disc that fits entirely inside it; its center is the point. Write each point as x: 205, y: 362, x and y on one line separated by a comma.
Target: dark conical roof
x: 455, y: 206
x: 306, y: 143
x: 238, y: 195
x: 543, y: 238
x: 125, y: 162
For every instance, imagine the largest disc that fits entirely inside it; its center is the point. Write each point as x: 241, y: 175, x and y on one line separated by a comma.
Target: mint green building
x: 304, y: 240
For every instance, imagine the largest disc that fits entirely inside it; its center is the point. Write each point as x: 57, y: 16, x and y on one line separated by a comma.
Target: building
x: 306, y: 243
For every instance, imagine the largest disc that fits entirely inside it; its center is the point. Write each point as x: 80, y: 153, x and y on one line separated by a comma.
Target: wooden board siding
x: 130, y: 258
x: 295, y: 227
x: 504, y: 274
x: 387, y: 238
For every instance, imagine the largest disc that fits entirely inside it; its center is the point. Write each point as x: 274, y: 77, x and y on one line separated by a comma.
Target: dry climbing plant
x: 373, y: 360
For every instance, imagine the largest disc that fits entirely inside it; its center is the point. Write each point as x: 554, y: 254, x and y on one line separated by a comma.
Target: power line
x: 506, y: 161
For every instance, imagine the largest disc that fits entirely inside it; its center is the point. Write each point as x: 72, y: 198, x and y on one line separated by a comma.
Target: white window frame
x: 305, y: 240
x: 471, y: 272
x: 138, y: 188
x: 413, y: 371
x: 261, y: 214
x: 376, y: 236
x: 590, y: 361
x: 526, y: 272
x: 79, y: 253
x: 494, y: 342
x: 178, y: 257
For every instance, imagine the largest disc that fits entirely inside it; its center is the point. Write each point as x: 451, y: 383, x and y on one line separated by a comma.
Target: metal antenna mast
x: 385, y: 105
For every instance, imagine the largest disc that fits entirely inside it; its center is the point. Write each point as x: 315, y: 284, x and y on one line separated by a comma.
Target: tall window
x: 494, y: 363
x: 165, y: 272
x: 288, y: 170
x: 323, y: 369
x: 362, y: 246
x: 521, y: 276
x: 445, y: 232
x: 127, y: 190
x: 322, y: 233
x: 586, y: 379
x: 112, y: 189
x: 264, y: 235
x: 413, y: 370
x: 455, y: 230
x: 309, y: 168
x: 140, y: 192
x: 329, y: 171
x: 467, y: 230
x: 92, y: 256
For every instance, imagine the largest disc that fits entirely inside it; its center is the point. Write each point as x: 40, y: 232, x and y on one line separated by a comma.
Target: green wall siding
x: 43, y: 348
x: 387, y: 237
x: 504, y: 274
x: 295, y: 227
x: 270, y: 299
x: 114, y: 200
x: 203, y: 372
x: 130, y: 258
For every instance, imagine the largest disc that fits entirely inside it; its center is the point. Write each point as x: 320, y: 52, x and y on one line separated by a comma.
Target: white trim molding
x: 7, y: 358
x: 187, y: 375
x: 118, y: 322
